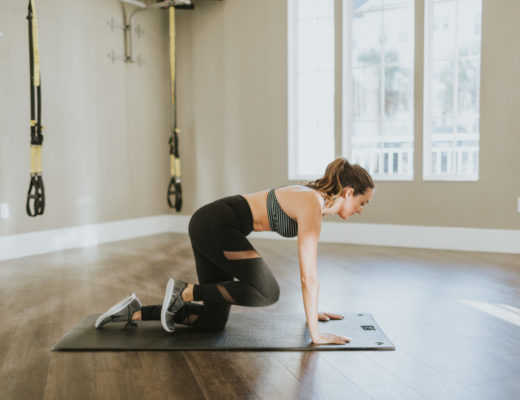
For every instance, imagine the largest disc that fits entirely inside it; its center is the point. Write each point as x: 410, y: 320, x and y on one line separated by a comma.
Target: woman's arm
x: 309, y: 227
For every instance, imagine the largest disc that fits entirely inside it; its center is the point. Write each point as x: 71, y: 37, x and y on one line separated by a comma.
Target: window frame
x: 347, y: 104
x: 292, y: 91
x: 427, y: 175
x: 343, y: 142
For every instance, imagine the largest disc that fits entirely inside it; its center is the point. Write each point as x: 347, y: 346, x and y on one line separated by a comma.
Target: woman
x: 222, y: 253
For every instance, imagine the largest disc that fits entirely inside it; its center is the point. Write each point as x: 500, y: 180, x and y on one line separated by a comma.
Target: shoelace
x: 130, y: 324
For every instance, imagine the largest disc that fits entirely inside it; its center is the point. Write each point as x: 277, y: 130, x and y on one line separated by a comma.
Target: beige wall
x: 105, y: 152
x: 107, y: 124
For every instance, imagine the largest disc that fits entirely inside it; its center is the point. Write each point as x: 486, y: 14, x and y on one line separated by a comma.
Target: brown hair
x: 338, y: 175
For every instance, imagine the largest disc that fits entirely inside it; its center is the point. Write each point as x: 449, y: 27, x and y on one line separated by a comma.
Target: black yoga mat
x: 258, y: 331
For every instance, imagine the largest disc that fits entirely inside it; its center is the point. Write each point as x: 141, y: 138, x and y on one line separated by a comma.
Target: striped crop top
x: 279, y: 221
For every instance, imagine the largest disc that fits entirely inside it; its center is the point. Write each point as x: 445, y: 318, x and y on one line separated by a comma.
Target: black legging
x: 214, y: 228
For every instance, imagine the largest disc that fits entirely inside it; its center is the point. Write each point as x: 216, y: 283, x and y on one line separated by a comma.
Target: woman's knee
x: 269, y: 293
x: 273, y: 293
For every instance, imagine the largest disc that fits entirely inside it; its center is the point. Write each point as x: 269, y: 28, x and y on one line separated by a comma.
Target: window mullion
x: 455, y: 90
x: 382, y: 83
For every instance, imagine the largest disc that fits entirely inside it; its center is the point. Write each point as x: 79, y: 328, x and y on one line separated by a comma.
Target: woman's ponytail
x: 338, y: 175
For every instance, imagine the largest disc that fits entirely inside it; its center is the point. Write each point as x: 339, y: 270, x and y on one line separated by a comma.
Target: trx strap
x: 174, y: 189
x: 36, y: 193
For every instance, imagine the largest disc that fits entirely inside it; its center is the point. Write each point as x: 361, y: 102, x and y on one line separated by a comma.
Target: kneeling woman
x: 222, y: 252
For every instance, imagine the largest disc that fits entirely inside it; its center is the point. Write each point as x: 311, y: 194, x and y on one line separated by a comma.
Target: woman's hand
x: 329, y: 338
x: 328, y: 316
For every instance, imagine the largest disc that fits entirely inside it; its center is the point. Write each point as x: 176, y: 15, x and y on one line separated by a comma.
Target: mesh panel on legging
x: 256, y: 285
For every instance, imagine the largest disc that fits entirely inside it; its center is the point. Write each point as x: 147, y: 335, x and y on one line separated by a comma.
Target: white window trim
x: 292, y: 113
x: 427, y: 93
x: 347, y: 109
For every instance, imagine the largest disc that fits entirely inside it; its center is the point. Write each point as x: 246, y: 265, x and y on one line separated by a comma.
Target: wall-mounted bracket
x: 128, y: 28
x: 114, y: 25
x: 139, y: 31
x: 113, y: 57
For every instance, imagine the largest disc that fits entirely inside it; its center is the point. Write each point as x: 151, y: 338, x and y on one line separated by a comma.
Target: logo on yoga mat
x: 368, y: 327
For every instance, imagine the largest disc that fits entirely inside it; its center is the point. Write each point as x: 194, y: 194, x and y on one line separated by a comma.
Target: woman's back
x: 290, y: 199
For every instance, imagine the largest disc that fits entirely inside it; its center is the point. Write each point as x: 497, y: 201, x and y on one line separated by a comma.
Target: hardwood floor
x: 426, y: 301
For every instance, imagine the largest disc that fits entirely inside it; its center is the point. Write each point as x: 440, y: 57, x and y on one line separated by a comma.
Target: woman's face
x: 353, y: 204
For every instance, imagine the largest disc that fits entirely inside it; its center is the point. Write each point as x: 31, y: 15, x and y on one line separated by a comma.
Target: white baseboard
x: 28, y: 244
x: 424, y: 237
x: 445, y: 238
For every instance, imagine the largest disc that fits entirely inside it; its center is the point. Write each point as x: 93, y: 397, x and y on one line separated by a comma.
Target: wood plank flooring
x: 446, y: 349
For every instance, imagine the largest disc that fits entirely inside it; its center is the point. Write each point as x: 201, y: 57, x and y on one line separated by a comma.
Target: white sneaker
x: 121, y: 312
x: 172, y: 303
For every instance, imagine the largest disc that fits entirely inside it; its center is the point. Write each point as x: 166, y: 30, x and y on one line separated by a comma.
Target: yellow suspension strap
x: 36, y: 194
x: 174, y: 189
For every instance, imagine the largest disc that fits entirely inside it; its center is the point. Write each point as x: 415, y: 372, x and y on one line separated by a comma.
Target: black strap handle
x: 35, y: 197
x: 175, y: 189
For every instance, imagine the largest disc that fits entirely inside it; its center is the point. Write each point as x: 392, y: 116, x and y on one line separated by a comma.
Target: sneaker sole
x: 117, y: 307
x: 166, y: 302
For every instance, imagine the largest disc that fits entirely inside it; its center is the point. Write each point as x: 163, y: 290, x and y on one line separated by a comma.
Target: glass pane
x: 442, y: 126
x: 307, y: 45
x: 315, y: 147
x: 365, y: 5
x: 407, y: 162
x: 443, y: 145
x: 434, y: 163
x: 441, y: 157
x: 366, y: 39
x: 469, y: 22
x: 465, y: 164
x: 442, y: 88
x: 398, y: 92
x: 306, y: 100
x: 325, y: 9
x: 401, y: 130
x: 312, y: 80
x: 469, y: 126
x: 397, y: 149
x: 398, y: 35
x: 367, y: 92
x: 363, y: 129
x: 324, y: 145
x: 397, y: 3
x: 325, y: 96
x: 325, y: 44
x: 366, y: 146
x: 474, y: 162
x: 469, y: 87
x: 307, y: 9
x: 306, y: 164
x: 444, y: 30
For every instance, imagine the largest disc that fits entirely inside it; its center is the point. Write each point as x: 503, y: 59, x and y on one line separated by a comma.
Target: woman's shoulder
x: 300, y: 191
x: 297, y: 200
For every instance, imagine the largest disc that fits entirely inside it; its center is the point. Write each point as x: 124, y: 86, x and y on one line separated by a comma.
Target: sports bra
x: 279, y: 221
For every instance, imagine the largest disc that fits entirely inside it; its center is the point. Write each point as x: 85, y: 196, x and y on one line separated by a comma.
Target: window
x: 377, y: 78
x: 452, y: 89
x: 311, y: 87
x: 378, y: 66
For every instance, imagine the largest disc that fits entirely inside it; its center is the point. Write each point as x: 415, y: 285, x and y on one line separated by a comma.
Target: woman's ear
x: 347, y: 192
